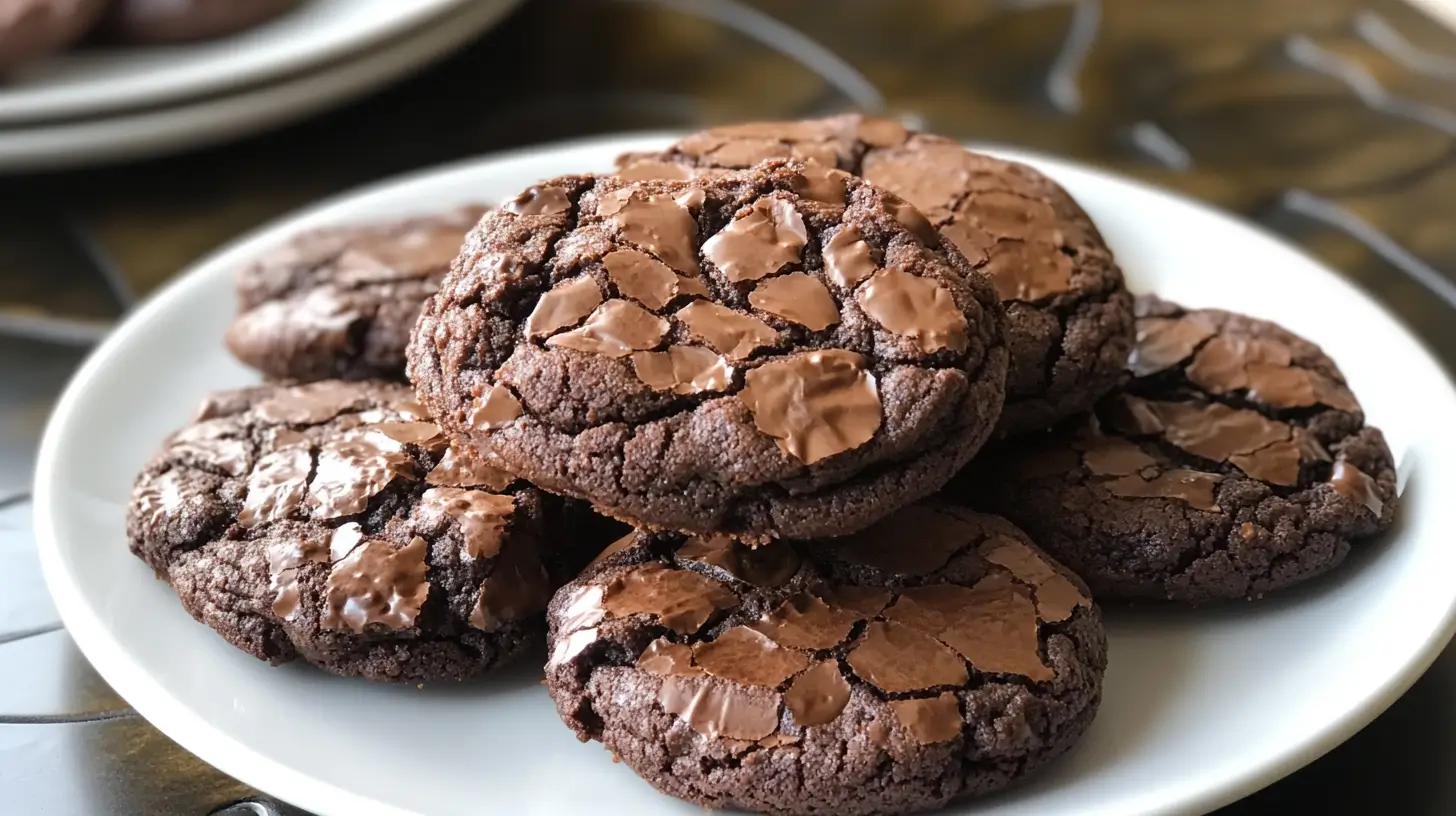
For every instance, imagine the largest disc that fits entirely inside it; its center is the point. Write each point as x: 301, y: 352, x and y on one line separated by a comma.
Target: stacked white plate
x: 94, y: 106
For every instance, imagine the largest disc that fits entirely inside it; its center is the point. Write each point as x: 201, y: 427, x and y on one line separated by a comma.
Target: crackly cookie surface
x: 339, y: 302
x: 779, y: 352
x: 1234, y: 462
x: 1069, y: 315
x: 936, y: 656
x: 331, y: 522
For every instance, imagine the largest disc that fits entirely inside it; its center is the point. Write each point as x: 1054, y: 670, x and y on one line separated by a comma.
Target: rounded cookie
x: 30, y: 29
x: 1069, y: 315
x: 145, y: 22
x: 937, y: 656
x: 340, y: 302
x: 779, y: 352
x: 330, y: 522
x: 1234, y: 462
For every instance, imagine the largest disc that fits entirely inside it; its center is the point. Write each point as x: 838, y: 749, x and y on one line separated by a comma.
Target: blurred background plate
x: 221, y: 118
x: 94, y: 81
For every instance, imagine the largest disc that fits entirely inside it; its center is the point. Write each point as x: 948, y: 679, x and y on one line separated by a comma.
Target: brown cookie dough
x: 1235, y: 462
x: 177, y: 21
x: 340, y: 302
x: 1069, y: 316
x: 934, y: 657
x: 780, y: 352
x: 331, y: 522
x: 30, y: 29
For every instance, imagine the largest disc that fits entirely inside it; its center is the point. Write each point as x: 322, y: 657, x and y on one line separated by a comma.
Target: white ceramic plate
x: 1200, y: 707
x: 92, y: 81
x: 218, y: 119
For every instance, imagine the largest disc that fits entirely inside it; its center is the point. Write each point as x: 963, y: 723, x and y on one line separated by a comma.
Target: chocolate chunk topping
x: 681, y: 600
x: 1357, y: 486
x: 285, y: 556
x: 538, y: 200
x: 564, y: 306
x: 993, y: 624
x: 376, y: 583
x: 1165, y: 342
x: 482, y: 516
x: 458, y: 469
x: 1056, y: 596
x: 495, y: 408
x: 768, y: 566
x: 648, y: 169
x: 916, y: 307
x: 746, y: 656
x: 814, y: 405
x: 1261, y: 447
x: 896, y: 658
x: 665, y: 659
x: 728, y: 332
x: 798, y: 298
x: 911, y: 219
x: 717, y: 708
x: 760, y: 241
x: 641, y: 277
x: 692, y: 285
x: 806, y: 621
x: 352, y: 469
x: 425, y: 434
x: 823, y: 184
x: 617, y: 328
x: 309, y: 404
x: 930, y: 720
x: 1114, y: 456
x: 276, y: 486
x: 818, y: 696
x: 657, y: 224
x: 1025, y: 272
x: 1191, y: 487
x: 867, y: 602
x: 1264, y: 369
x: 847, y: 257
x: 517, y: 588
x: 683, y: 370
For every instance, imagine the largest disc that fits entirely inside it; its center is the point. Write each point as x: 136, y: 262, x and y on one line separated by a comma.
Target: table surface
x: 1328, y: 121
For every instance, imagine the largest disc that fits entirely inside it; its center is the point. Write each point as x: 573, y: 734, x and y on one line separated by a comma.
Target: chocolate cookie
x: 937, y: 656
x: 1069, y: 316
x: 330, y: 522
x: 34, y: 28
x: 176, y: 21
x: 340, y: 302
x: 780, y: 352
x: 1235, y: 462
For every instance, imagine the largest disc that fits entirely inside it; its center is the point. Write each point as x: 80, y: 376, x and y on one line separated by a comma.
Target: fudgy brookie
x: 331, y: 522
x: 1069, y: 315
x: 779, y: 352
x: 340, y: 302
x: 936, y: 656
x: 1233, y: 463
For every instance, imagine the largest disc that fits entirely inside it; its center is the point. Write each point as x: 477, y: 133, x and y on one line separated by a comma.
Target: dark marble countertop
x: 1331, y: 122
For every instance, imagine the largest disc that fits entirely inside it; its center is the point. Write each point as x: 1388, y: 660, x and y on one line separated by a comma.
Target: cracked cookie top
x: 332, y: 521
x: 1069, y: 314
x: 784, y: 351
x: 339, y: 302
x: 1234, y: 461
x: 960, y: 642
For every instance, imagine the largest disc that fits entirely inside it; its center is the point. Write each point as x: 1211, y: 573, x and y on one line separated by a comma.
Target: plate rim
x: 188, y: 729
x: 222, y: 75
